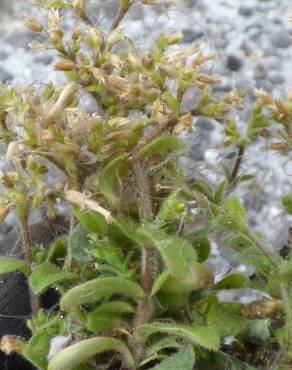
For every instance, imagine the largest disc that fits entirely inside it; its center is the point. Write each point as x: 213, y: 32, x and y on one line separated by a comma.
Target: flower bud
x: 65, y: 65
x: 3, y: 213
x: 53, y: 18
x: 79, y: 7
x: 93, y: 37
x: 32, y: 24
x: 76, y: 33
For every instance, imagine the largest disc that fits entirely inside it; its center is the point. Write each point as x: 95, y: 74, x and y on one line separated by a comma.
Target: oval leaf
x: 94, y: 222
x: 231, y: 281
x: 47, y: 274
x: 226, y: 318
x: 78, y: 242
x: 162, y: 145
x: 198, y: 335
x: 110, y: 176
x: 9, y: 264
x: 178, y: 254
x: 99, y: 288
x: 184, y: 359
x: 70, y: 357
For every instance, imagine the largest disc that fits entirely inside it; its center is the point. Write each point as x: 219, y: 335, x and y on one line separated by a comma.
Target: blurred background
x: 253, y: 40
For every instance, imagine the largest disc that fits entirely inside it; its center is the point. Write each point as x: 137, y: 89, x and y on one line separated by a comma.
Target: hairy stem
x: 124, y: 7
x: 149, y: 266
x: 27, y: 244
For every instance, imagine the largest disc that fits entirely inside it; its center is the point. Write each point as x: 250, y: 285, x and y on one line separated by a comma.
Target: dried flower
x: 65, y: 65
x: 184, y: 122
x: 11, y: 344
x: 66, y: 97
x: 81, y: 201
x: 33, y: 24
x: 79, y: 7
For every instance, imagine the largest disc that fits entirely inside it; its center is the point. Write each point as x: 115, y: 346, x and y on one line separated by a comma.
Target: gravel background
x: 254, y: 41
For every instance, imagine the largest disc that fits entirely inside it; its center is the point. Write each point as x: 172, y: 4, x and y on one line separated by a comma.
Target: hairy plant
x: 133, y: 275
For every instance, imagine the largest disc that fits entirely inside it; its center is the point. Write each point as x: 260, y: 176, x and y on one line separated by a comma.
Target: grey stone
x: 20, y: 38
x: 204, y: 123
x: 234, y: 63
x: 3, y: 55
x: 197, y: 151
x: 247, y: 47
x: 276, y: 78
x: 281, y: 39
x: 43, y: 59
x: 5, y: 75
x: 260, y: 72
x: 246, y: 10
x: 191, y: 35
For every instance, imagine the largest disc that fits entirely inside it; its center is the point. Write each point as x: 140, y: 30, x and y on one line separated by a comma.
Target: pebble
x: 190, y: 35
x: 234, y: 63
x: 281, y: 39
x: 5, y: 75
x: 246, y: 10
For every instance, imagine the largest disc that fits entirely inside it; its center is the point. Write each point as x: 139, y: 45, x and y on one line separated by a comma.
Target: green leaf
x: 99, y: 288
x: 160, y: 344
x: 130, y: 229
x: 120, y: 307
x: 238, y: 242
x: 183, y: 360
x: 100, y: 322
x: 172, y: 102
x: 57, y: 249
x: 108, y: 315
x: 219, y: 192
x: 231, y: 281
x: 159, y: 282
x: 178, y: 254
x: 94, y: 222
x: 287, y: 203
x: 110, y: 176
x: 226, y: 318
x: 78, y: 353
x: 9, y: 264
x: 37, y: 349
x: 234, y: 216
x: 203, y: 248
x: 199, y: 277
x: 234, y: 207
x: 164, y: 144
x: 78, y: 243
x: 258, y: 329
x: 46, y: 275
x: 198, y: 335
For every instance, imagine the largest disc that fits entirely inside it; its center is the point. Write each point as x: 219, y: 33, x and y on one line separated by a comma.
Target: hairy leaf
x: 99, y: 288
x: 178, y: 254
x: 70, y: 357
x: 37, y: 349
x: 231, y: 281
x: 78, y: 243
x: 162, y: 145
x: 94, y: 222
x: 159, y: 282
x: 226, y: 318
x: 110, y: 176
x: 184, y: 359
x: 47, y: 274
x: 9, y: 264
x: 198, y: 335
